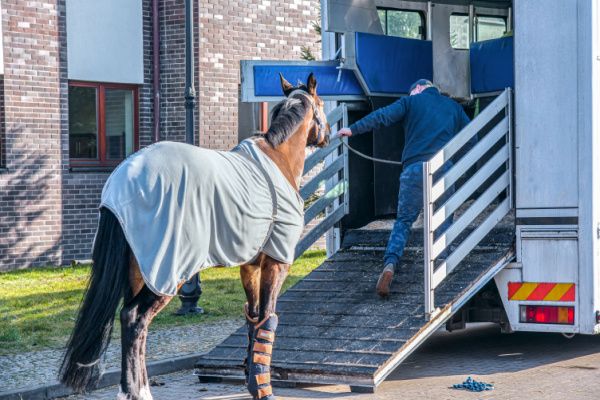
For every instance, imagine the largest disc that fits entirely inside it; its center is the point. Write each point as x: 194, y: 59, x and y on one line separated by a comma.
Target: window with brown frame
x: 103, y: 123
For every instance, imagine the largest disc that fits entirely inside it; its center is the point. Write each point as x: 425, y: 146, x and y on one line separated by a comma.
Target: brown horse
x: 117, y: 274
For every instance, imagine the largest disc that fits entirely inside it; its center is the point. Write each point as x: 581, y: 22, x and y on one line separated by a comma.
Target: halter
x: 316, y: 114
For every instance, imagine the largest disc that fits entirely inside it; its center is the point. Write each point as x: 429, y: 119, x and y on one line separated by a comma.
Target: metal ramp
x: 334, y: 329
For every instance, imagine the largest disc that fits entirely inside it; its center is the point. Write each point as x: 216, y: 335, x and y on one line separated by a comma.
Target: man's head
x: 419, y: 86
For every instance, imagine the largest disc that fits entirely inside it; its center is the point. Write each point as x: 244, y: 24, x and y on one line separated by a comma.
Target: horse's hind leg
x: 138, y: 311
x: 250, y: 274
x: 272, y: 276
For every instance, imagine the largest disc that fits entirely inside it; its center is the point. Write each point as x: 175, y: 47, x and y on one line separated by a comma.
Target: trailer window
x: 402, y: 23
x: 459, y: 31
x: 490, y: 28
x: 486, y: 28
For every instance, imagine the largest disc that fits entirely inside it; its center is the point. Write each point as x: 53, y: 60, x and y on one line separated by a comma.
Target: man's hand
x: 344, y: 132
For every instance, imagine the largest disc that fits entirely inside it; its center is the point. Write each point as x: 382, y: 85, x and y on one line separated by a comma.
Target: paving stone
x: 522, y: 365
x: 38, y: 368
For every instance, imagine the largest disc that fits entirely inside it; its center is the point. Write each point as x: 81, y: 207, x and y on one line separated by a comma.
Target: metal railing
x: 334, y: 177
x: 491, y: 184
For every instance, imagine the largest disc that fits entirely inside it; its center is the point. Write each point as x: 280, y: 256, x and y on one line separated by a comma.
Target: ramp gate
x: 334, y: 177
x: 493, y: 180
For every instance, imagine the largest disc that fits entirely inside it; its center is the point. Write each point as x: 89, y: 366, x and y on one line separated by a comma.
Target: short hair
x: 421, y: 82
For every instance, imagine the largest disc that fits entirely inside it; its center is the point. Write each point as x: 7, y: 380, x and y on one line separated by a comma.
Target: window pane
x: 83, y: 123
x: 406, y: 24
x: 118, y: 108
x: 490, y: 28
x: 459, y: 31
x: 382, y: 20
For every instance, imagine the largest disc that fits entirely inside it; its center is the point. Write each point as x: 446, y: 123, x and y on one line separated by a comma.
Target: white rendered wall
x: 104, y: 41
x: 546, y: 96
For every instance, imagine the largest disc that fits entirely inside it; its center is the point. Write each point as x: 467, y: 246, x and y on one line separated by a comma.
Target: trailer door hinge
x: 598, y: 231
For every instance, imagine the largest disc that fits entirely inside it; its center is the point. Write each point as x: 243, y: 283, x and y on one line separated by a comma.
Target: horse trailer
x: 524, y: 247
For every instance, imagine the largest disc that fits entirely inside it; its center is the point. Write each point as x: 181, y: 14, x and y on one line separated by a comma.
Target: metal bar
x: 470, y: 242
x: 320, y: 154
x: 336, y: 115
x: 472, y: 32
x: 429, y: 20
x: 510, y: 141
x: 320, y: 205
x: 190, y: 91
x: 466, y: 190
x: 470, y: 214
x: 468, y: 132
x: 468, y: 160
x: 311, y: 186
x: 428, y: 240
x: 346, y: 169
x: 318, y: 231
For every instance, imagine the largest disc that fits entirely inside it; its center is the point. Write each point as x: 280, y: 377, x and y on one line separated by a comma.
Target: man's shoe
x: 385, y: 281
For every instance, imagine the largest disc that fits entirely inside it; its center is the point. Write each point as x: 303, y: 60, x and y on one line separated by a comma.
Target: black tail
x: 106, y: 287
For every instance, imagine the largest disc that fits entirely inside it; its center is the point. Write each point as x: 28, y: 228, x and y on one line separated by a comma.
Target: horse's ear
x: 285, y: 85
x: 311, y: 84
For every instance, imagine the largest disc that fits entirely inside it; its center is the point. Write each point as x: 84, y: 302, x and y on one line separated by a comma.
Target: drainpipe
x: 190, y: 92
x: 156, y: 69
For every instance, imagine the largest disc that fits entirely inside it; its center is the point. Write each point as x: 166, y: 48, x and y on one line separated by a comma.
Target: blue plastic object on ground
x: 473, y: 386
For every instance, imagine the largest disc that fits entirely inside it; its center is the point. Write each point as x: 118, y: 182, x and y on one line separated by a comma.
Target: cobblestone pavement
x: 40, y: 367
x: 522, y: 365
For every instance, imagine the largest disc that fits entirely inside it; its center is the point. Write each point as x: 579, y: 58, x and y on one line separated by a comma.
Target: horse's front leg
x: 272, y: 276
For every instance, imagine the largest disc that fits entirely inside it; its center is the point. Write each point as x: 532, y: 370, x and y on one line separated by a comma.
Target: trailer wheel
x: 568, y: 335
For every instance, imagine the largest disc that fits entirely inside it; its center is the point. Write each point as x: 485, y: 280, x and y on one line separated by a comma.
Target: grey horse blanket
x: 184, y: 208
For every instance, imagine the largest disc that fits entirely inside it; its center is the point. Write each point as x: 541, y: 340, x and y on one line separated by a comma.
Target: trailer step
x: 334, y: 329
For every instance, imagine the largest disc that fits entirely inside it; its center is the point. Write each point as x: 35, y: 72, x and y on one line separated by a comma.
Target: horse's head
x: 319, y: 130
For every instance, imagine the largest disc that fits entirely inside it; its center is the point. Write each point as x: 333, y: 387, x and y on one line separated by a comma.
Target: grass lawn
x: 38, y: 306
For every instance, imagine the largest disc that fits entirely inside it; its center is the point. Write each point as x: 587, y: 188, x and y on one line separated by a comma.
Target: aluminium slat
x: 470, y: 214
x: 327, y: 172
x: 465, y: 191
x: 463, y: 137
x: 207, y: 361
x: 324, y: 201
x: 244, y: 335
x: 462, y: 165
x: 319, y: 231
x: 319, y: 155
x: 470, y: 242
x: 316, y: 344
x: 336, y: 115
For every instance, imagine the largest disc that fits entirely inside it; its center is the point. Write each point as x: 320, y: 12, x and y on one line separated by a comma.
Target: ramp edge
x: 440, y: 318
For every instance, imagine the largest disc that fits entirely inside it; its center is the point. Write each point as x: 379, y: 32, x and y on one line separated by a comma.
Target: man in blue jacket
x: 429, y: 120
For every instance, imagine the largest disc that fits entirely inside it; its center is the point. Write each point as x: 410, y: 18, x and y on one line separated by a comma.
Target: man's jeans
x: 410, y: 204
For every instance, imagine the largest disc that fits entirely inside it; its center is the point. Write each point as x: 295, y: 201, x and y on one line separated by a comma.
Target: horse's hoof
x: 384, y: 283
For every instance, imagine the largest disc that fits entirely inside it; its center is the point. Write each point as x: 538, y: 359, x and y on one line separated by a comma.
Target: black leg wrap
x: 250, y: 325
x: 259, y: 359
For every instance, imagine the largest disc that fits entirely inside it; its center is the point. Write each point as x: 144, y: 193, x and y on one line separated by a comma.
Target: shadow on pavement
x: 482, y: 349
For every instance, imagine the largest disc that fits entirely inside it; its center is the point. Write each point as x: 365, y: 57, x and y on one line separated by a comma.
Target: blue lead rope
x: 473, y: 385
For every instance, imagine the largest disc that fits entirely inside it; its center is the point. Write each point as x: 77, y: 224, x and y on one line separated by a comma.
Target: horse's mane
x: 285, y: 119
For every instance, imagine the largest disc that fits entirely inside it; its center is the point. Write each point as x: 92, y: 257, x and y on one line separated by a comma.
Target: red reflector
x: 547, y: 315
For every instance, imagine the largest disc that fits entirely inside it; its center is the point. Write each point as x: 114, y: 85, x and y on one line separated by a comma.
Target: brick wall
x: 48, y: 213
x: 244, y: 29
x: 30, y: 195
